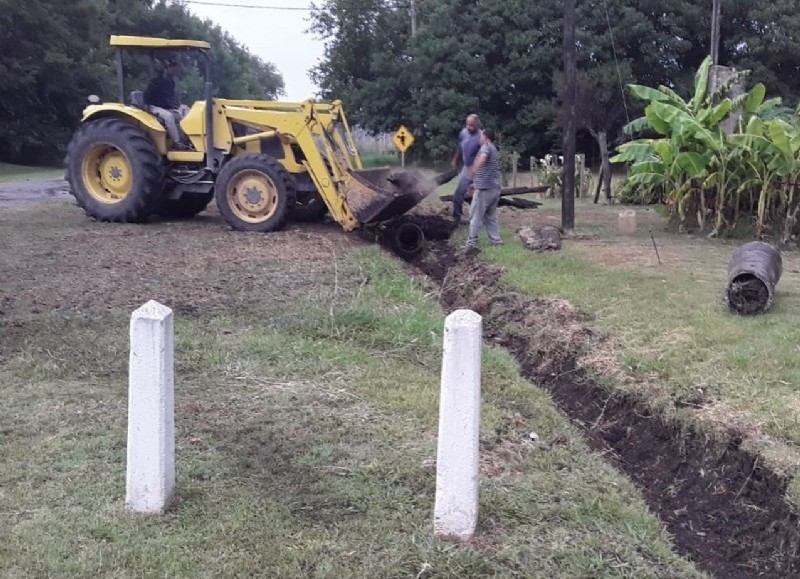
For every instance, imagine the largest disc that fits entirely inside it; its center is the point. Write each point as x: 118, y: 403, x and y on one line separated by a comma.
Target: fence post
x: 150, y: 480
x: 533, y: 174
x: 514, y: 163
x: 456, y: 506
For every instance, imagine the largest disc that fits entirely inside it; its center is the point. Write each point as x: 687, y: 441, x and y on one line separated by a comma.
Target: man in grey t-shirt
x: 487, y: 180
x: 469, y: 142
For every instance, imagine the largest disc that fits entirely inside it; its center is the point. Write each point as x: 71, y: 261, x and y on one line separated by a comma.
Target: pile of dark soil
x: 725, y: 510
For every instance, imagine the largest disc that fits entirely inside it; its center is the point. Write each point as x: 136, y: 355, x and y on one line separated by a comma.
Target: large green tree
x: 763, y: 37
x: 44, y: 75
x: 56, y: 53
x: 503, y: 60
x: 365, y: 62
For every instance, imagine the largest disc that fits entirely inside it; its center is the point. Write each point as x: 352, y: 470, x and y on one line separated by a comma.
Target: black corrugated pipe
x: 753, y: 272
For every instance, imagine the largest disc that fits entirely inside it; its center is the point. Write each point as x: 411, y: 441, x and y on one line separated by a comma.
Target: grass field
x: 671, y: 334
x: 307, y: 376
x: 9, y: 172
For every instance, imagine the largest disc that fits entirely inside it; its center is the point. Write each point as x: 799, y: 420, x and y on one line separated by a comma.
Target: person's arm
x: 480, y: 161
x: 456, y: 157
x: 149, y: 92
x: 173, y: 95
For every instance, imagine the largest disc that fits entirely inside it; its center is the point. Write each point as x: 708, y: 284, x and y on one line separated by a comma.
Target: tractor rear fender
x: 133, y: 115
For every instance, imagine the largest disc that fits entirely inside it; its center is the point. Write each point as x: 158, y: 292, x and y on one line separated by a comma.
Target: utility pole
x: 570, y: 58
x: 413, y: 18
x: 716, y: 11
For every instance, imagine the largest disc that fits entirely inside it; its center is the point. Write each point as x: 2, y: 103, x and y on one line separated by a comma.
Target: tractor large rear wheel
x: 115, y: 171
x: 254, y: 193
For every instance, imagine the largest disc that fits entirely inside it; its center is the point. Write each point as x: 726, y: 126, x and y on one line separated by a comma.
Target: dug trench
x: 725, y: 510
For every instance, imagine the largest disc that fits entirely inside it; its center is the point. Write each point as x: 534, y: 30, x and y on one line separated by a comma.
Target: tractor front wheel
x: 254, y: 193
x: 115, y: 171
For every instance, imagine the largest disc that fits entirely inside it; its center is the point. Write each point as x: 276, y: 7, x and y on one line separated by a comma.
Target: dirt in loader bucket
x: 381, y: 194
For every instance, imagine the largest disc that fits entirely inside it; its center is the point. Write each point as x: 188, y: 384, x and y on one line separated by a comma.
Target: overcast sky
x: 275, y: 34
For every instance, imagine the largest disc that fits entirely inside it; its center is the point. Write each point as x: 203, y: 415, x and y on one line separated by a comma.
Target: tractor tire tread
x: 143, y: 200
x: 272, y: 168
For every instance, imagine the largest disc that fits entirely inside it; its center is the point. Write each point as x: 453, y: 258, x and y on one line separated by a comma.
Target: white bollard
x: 150, y: 482
x: 456, y: 507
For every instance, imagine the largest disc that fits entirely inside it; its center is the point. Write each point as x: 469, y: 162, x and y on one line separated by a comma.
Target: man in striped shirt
x: 486, y: 179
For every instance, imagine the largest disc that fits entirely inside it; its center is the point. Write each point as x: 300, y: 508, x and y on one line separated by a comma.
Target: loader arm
x: 316, y: 140
x: 327, y: 173
x: 356, y: 196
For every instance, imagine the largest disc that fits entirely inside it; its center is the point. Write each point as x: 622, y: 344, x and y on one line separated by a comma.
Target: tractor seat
x: 137, y: 100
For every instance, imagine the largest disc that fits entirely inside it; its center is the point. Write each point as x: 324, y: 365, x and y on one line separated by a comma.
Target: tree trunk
x: 605, y: 164
x: 599, y: 184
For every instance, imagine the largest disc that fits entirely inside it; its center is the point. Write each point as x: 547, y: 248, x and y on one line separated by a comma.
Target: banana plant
x: 694, y: 156
x: 661, y: 163
x: 679, y: 159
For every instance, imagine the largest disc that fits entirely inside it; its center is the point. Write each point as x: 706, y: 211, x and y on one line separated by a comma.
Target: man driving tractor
x: 162, y: 99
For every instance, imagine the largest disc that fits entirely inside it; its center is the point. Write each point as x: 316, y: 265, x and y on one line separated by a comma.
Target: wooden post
x: 570, y: 83
x: 719, y: 75
x: 580, y: 160
x: 716, y: 11
x: 514, y: 163
x: 533, y: 171
x: 457, y: 457
x: 150, y: 480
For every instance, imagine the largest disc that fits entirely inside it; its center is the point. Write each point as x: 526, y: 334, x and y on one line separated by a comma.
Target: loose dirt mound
x: 726, y: 512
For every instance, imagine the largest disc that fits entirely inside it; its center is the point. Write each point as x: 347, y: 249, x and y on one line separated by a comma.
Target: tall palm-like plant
x: 700, y: 157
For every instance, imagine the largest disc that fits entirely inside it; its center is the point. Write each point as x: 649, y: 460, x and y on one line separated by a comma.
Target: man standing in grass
x: 485, y: 175
x: 468, y: 146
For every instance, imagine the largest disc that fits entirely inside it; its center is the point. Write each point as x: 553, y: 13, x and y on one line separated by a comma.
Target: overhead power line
x: 255, y: 6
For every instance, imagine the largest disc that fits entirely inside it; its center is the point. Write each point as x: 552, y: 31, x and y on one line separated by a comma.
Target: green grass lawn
x: 10, y: 173
x: 671, y: 336
x: 307, y: 379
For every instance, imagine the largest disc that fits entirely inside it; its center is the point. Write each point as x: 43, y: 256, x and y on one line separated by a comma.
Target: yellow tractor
x: 263, y: 162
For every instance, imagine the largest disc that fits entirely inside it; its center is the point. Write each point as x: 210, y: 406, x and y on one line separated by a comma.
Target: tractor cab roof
x: 148, y: 42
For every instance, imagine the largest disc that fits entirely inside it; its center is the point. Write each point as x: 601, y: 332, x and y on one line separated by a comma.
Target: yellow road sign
x: 403, y: 139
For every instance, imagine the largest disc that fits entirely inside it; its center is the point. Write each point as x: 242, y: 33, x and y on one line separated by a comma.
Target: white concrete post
x: 456, y: 507
x: 150, y: 482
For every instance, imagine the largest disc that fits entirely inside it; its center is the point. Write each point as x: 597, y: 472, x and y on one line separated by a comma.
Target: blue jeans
x: 461, y: 191
x: 483, y: 211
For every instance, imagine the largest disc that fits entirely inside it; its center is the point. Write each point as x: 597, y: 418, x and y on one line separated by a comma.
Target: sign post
x: 403, y: 139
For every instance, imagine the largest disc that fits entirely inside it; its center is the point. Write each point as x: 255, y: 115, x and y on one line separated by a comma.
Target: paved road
x: 33, y: 190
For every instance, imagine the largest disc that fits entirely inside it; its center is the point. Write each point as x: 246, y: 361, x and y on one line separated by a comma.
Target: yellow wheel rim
x: 252, y: 196
x: 107, y: 174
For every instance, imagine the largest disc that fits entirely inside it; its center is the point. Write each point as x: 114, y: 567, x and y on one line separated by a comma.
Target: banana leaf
x: 701, y: 83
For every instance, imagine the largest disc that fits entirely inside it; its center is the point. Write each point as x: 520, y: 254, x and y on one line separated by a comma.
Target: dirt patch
x: 726, y: 511
x: 19, y: 192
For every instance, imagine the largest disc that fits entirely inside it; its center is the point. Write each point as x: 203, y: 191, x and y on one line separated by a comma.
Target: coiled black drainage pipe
x: 753, y: 273
x: 406, y: 239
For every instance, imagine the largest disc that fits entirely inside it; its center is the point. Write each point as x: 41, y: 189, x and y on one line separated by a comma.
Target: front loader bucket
x: 375, y: 195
